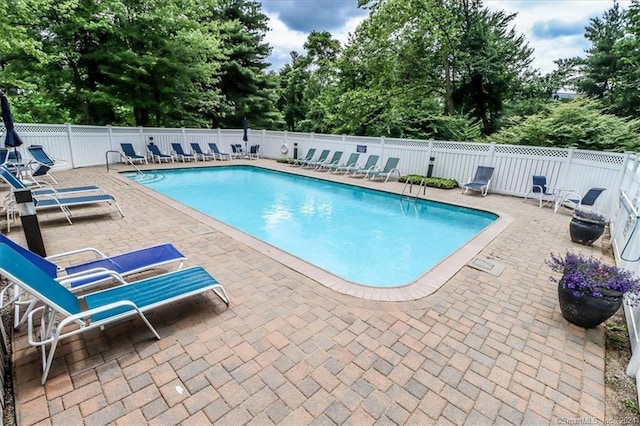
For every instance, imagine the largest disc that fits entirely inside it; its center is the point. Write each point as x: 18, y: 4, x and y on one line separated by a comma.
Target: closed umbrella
x: 245, y: 137
x: 12, y: 139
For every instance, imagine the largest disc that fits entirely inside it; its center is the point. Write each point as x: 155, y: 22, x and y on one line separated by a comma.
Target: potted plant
x: 586, y: 226
x: 589, y: 290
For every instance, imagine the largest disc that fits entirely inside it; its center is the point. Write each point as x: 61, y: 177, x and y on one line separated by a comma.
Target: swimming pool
x: 364, y: 236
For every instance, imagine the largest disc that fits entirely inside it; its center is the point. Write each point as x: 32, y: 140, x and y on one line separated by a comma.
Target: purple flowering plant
x: 589, y: 215
x: 587, y: 275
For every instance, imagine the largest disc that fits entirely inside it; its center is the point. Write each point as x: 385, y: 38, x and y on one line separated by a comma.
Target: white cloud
x: 547, y: 50
x: 284, y: 40
x: 529, y: 12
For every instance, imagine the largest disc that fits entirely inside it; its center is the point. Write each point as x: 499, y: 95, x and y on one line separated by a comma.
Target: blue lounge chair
x: 236, y: 150
x: 334, y: 160
x: 180, y: 154
x: 131, y: 155
x: 301, y: 160
x: 218, y: 155
x: 198, y: 152
x: 53, y: 200
x: 15, y: 184
x: 42, y: 163
x: 351, y: 163
x: 540, y: 190
x: 573, y: 200
x: 254, y: 151
x: 52, y: 197
x: 368, y: 166
x: 314, y: 163
x: 75, y: 275
x: 480, y: 182
x: 62, y: 315
x: 157, y: 155
x: 390, y: 168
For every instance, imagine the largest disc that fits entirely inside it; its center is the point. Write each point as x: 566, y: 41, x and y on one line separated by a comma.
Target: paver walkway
x: 288, y: 350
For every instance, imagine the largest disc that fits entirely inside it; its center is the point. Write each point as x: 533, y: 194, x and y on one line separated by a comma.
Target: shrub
x: 433, y: 182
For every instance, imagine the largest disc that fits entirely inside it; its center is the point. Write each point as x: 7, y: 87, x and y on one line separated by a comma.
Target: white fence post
x: 70, y: 140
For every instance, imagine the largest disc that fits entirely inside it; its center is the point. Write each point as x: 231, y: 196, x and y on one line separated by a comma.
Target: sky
x: 553, y: 28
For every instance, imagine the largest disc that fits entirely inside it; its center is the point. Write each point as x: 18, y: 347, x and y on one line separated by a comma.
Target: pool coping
x: 427, y: 284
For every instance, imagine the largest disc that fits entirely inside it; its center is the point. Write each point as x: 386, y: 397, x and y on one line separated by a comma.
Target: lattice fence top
x: 534, y: 151
x: 462, y: 146
x: 38, y: 128
x: 600, y: 157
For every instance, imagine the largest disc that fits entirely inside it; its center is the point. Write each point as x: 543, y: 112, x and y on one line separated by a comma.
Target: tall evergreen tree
x: 602, y: 64
x: 248, y: 90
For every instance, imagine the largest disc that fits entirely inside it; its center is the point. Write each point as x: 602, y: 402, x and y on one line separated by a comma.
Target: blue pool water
x: 365, y: 236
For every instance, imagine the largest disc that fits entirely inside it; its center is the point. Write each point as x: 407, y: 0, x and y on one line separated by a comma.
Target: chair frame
x: 129, y: 152
x: 48, y: 324
x: 300, y: 160
x: 198, y: 152
x: 539, y: 189
x: 335, y: 160
x: 351, y: 162
x: 180, y: 154
x: 386, y: 172
x: 324, y: 154
x: 217, y: 154
x: 51, y: 197
x: 368, y: 166
x: 254, y: 152
x: 154, y: 152
x: 572, y: 197
x: 477, y: 184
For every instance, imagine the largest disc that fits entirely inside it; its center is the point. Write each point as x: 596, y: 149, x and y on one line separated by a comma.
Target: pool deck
x: 478, y: 349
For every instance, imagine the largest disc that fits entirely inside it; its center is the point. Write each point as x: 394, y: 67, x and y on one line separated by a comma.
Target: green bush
x: 285, y: 160
x: 433, y: 182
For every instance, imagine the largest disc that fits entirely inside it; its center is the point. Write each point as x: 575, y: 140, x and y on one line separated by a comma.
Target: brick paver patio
x: 480, y: 350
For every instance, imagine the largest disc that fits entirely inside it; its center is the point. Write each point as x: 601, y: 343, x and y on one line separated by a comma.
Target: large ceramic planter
x: 585, y: 231
x: 585, y: 310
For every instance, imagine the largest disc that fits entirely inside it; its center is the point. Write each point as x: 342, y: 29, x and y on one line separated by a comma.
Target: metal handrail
x: 122, y: 157
x: 409, y: 183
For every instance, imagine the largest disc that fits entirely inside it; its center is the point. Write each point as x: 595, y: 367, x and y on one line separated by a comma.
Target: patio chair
x: 540, y: 190
x: 236, y: 150
x: 198, y: 152
x: 42, y: 163
x: 573, y: 200
x: 370, y: 165
x: 301, y: 160
x: 390, y: 168
x: 63, y: 315
x: 180, y: 154
x: 38, y: 153
x: 157, y: 155
x: 334, y: 160
x: 80, y: 276
x: 254, y: 151
x: 45, y: 197
x: 314, y: 163
x: 480, y: 182
x: 131, y: 155
x: 217, y: 154
x: 351, y: 163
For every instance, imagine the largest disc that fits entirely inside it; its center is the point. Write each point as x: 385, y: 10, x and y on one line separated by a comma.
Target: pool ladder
x: 409, y: 185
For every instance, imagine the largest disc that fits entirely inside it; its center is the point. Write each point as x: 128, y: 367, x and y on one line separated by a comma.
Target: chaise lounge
x: 63, y: 315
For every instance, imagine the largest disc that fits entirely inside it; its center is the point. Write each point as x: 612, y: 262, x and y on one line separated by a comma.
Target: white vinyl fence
x: 570, y: 169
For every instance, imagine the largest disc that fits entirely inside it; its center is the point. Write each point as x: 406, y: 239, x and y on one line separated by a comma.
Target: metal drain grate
x: 486, y: 265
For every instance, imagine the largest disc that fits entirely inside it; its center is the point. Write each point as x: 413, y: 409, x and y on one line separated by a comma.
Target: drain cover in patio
x: 486, y: 265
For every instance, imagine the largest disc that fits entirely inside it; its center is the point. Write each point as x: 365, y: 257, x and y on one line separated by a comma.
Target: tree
x: 602, y: 64
x: 580, y: 123
x: 293, y: 81
x: 247, y: 89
